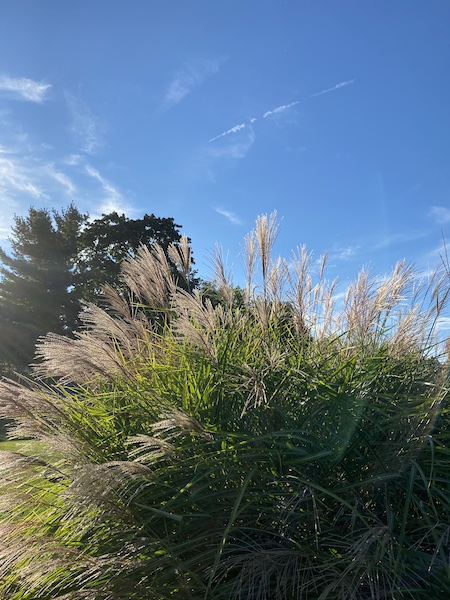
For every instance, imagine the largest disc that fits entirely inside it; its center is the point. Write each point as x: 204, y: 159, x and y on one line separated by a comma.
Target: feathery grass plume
x: 221, y: 278
x: 398, y: 310
x: 197, y: 321
x: 277, y: 281
x: 149, y: 276
x: 300, y: 290
x: 249, y: 259
x: 181, y: 256
x: 266, y: 232
x: 83, y: 359
x: 112, y: 340
x: 278, y: 447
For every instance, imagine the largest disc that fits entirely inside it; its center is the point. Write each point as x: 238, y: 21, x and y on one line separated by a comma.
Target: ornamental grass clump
x: 253, y: 444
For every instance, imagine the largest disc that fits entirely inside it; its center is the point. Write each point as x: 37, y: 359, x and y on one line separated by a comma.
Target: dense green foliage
x: 106, y: 242
x: 60, y: 259
x: 264, y: 447
x: 36, y: 286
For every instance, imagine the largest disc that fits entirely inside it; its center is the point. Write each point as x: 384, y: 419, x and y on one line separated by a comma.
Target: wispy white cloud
x: 234, y: 129
x: 393, y: 239
x: 345, y: 253
x: 21, y: 88
x: 73, y: 160
x: 339, y: 297
x: 31, y: 178
x: 9, y: 209
x: 332, y: 89
x: 283, y: 107
x: 231, y: 216
x: 113, y: 199
x: 237, y: 149
x: 19, y: 177
x: 363, y: 248
x: 86, y: 127
x: 34, y: 173
x: 279, y: 109
x: 440, y: 214
x: 27, y: 178
x: 443, y: 324
x: 187, y: 79
x: 64, y: 180
x: 437, y: 255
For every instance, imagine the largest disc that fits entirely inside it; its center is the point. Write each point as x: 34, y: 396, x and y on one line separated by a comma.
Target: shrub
x: 266, y: 446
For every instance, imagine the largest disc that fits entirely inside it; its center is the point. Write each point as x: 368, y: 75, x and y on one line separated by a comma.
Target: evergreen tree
x: 36, y: 290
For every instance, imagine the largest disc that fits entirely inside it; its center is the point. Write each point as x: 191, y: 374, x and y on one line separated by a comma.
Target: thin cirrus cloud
x: 188, y: 78
x: 279, y: 109
x: 237, y: 149
x: 234, y: 129
x: 332, y: 89
x: 283, y: 107
x: 231, y: 216
x: 113, y: 200
x: 19, y: 178
x: 393, y: 239
x: 21, y: 88
x: 64, y: 180
x: 25, y: 180
x: 443, y: 323
x: 440, y: 214
x: 86, y: 127
x: 33, y: 173
x: 345, y: 253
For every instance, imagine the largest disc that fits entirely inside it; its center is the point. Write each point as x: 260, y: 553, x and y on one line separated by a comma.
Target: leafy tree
x: 106, y: 242
x: 58, y: 260
x: 230, y: 456
x: 36, y: 286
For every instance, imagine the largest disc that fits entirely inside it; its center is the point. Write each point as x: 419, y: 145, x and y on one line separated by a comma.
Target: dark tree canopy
x: 58, y: 260
x: 36, y: 289
x: 107, y: 241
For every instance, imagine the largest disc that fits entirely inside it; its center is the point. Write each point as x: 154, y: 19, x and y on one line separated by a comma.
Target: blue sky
x: 336, y: 114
